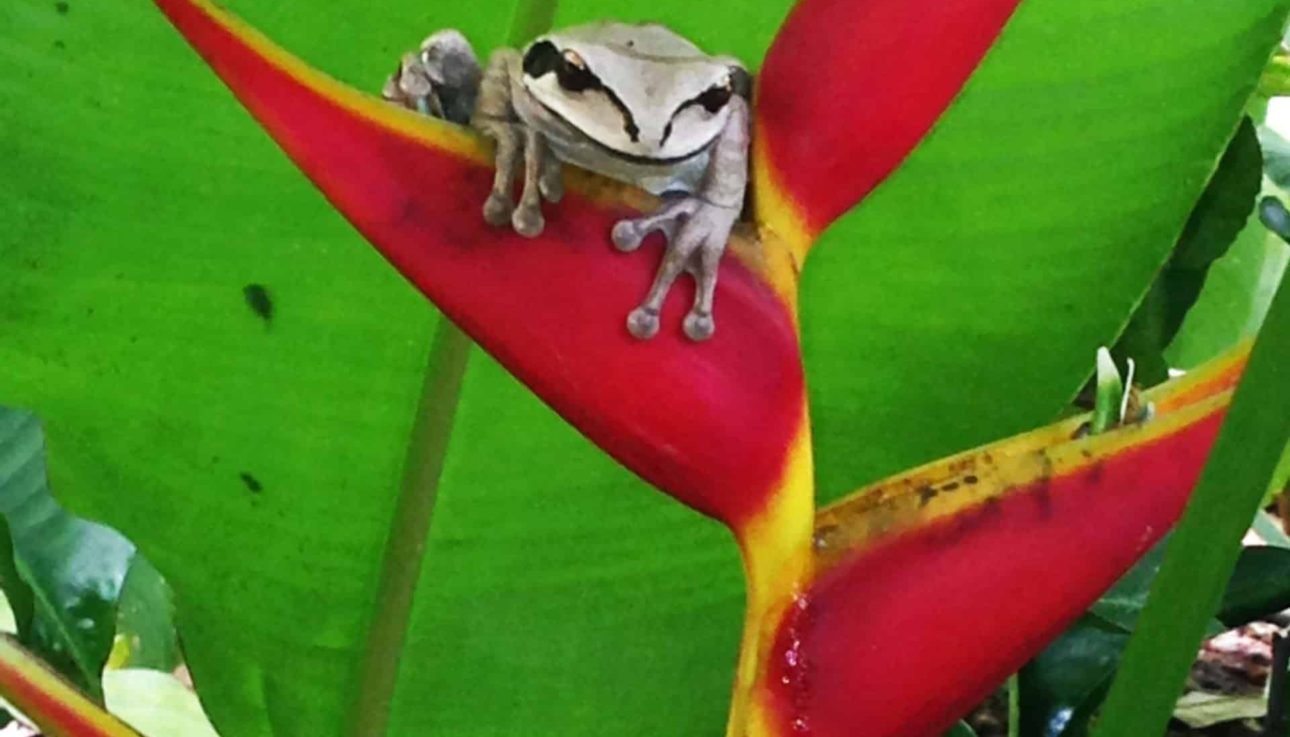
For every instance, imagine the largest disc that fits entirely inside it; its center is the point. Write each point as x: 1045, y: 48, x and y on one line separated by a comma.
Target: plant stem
x: 531, y: 18
x: 405, y: 548
x: 1205, y: 544
x: 427, y: 448
x: 1014, y: 705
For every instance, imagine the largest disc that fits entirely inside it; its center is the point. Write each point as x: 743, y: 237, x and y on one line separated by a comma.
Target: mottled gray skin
x: 440, y: 79
x: 703, y: 192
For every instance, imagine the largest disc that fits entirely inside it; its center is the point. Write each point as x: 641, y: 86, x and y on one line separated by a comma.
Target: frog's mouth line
x: 623, y: 155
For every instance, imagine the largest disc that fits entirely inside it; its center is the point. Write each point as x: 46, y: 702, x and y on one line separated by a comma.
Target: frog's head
x: 640, y: 91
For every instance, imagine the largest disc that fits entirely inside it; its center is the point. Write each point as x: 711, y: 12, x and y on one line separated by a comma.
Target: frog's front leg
x: 517, y: 143
x: 697, y: 229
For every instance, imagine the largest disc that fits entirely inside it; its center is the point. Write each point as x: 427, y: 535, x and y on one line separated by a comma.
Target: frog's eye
x: 541, y: 58
x: 570, y: 68
x: 573, y: 73
x: 715, y: 98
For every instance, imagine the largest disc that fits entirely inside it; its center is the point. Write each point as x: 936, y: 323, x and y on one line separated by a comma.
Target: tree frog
x: 634, y: 102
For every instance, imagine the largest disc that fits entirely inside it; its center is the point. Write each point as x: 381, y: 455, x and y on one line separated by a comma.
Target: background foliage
x: 255, y: 454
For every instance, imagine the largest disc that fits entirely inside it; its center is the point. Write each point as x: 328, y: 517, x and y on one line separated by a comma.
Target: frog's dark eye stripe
x: 543, y: 58
x: 712, y: 99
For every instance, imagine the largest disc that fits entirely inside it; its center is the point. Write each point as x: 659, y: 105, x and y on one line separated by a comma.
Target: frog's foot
x: 699, y: 326
x: 498, y: 209
x: 642, y: 323
x: 629, y: 234
x: 527, y: 220
x: 551, y: 182
x: 697, y: 232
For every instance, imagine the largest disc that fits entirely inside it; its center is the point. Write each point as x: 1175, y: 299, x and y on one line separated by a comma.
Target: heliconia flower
x: 723, y: 427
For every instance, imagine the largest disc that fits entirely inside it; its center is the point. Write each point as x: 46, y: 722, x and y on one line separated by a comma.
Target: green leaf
x: 156, y: 704
x: 20, y: 601
x: 145, y: 631
x: 1259, y: 586
x: 1269, y: 528
x: 1236, y: 296
x: 1280, y: 477
x: 1204, y: 547
x: 1219, y: 216
x: 1062, y: 687
x: 1276, y: 156
x: 962, y: 729
x: 1023, y: 232
x: 258, y: 463
x: 75, y: 568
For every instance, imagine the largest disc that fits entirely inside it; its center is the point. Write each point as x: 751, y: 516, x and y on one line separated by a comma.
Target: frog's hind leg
x: 496, y: 119
x: 527, y: 218
x: 551, y: 182
x: 499, y: 207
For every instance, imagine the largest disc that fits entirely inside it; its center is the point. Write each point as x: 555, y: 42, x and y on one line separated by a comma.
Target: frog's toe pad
x: 699, y: 326
x: 626, y: 236
x: 552, y: 189
x: 642, y: 323
x: 497, y: 210
x: 528, y: 221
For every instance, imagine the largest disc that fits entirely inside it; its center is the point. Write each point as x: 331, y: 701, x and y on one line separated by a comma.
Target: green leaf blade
x: 1191, y: 580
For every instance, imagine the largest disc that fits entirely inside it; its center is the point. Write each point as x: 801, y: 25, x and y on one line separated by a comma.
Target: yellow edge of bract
x: 23, y: 676
x: 1222, y: 370
x: 432, y: 131
x: 947, y: 487
x: 773, y: 207
x: 776, y: 547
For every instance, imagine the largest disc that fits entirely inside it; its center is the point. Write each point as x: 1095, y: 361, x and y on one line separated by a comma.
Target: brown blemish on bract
x: 1043, y: 498
x: 1093, y: 474
x: 925, y: 495
x: 822, y: 537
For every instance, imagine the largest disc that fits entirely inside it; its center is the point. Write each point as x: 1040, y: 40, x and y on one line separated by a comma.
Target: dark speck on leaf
x: 252, y: 483
x: 62, y: 7
x: 258, y: 299
x: 58, y: 44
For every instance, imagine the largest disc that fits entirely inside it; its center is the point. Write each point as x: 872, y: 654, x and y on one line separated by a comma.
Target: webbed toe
x: 642, y: 323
